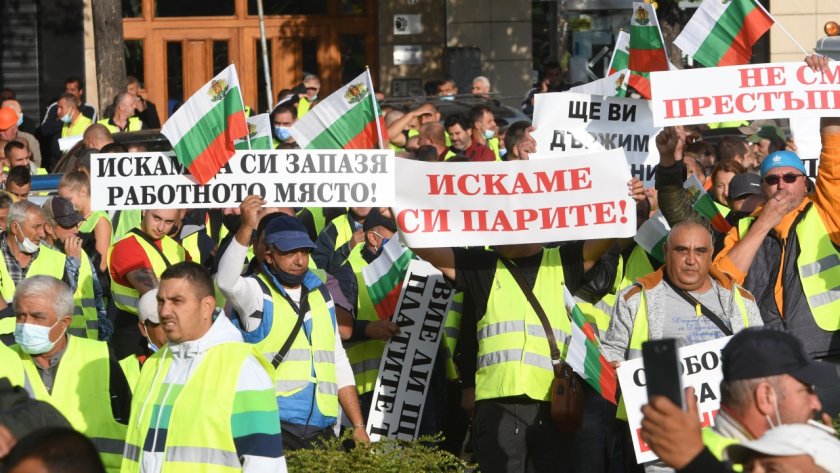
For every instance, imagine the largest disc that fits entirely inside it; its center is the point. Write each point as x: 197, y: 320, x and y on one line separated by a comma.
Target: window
x: 174, y: 75
x: 172, y: 8
x: 289, y: 7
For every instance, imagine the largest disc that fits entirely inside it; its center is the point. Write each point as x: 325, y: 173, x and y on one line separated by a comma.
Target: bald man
x: 97, y: 136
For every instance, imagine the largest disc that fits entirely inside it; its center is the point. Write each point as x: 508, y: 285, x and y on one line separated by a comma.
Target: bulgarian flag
x: 202, y: 131
x: 652, y: 235
x: 384, y: 277
x: 349, y: 118
x: 584, y: 355
x: 647, y: 49
x: 614, y: 84
x: 722, y: 32
x: 259, y: 133
x: 621, y: 61
x: 705, y: 205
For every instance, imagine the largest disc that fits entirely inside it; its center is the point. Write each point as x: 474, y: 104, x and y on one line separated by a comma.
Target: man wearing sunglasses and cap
x: 786, y: 253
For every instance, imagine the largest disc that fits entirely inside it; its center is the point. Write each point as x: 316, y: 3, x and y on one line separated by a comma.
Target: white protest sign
x: 753, y: 91
x: 409, y: 356
x: 499, y: 203
x: 806, y: 135
x: 700, y: 368
x: 568, y: 123
x: 284, y: 178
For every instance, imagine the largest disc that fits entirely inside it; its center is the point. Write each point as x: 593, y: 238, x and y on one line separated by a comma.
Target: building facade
x: 175, y: 46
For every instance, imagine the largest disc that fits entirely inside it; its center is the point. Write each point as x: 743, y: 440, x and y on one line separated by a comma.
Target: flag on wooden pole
x: 722, y: 33
x: 621, y: 61
x: 203, y: 130
x: 347, y: 119
x: 259, y: 133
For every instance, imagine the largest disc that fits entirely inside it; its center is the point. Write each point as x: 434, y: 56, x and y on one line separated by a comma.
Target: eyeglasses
x: 774, y: 179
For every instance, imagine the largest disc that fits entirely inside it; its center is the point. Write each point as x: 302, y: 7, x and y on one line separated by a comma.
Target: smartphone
x: 662, y: 370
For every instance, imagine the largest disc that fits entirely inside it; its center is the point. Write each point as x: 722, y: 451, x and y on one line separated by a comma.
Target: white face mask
x: 26, y: 245
x: 776, y: 408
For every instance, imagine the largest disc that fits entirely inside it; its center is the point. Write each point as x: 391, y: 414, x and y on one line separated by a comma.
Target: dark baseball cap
x: 287, y: 233
x: 376, y: 219
x: 767, y: 132
x: 63, y: 212
x: 758, y: 353
x: 744, y: 184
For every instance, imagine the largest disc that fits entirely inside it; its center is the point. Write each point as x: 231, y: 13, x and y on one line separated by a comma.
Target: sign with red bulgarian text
x: 749, y: 92
x: 500, y: 203
x: 700, y: 368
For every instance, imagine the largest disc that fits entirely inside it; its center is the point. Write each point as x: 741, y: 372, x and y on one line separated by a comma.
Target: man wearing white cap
x: 150, y: 328
x: 794, y: 447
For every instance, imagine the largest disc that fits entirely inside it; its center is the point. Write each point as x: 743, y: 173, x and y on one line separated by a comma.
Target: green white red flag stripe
x: 652, y: 234
x: 349, y: 118
x: 647, y: 50
x: 385, y: 275
x: 203, y: 130
x: 704, y: 204
x: 259, y: 131
x: 584, y: 355
x: 621, y: 60
x: 722, y: 33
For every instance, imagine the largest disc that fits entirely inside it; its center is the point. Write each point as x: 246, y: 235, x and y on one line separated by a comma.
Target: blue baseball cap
x: 287, y: 233
x: 781, y: 159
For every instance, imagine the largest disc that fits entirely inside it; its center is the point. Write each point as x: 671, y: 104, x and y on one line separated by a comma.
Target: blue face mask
x: 66, y: 119
x: 286, y: 279
x: 502, y: 152
x: 382, y: 246
x: 447, y: 97
x: 489, y: 134
x: 20, y: 119
x: 152, y: 346
x: 34, y: 339
x: 282, y: 133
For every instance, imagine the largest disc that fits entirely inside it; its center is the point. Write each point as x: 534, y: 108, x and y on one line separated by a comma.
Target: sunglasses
x: 774, y: 179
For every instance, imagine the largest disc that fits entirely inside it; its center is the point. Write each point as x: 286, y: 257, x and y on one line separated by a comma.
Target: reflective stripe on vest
x: 126, y: 297
x: 819, y: 268
x: 365, y: 356
x: 195, y: 439
x: 513, y: 355
x: 81, y: 392
x: 296, y: 370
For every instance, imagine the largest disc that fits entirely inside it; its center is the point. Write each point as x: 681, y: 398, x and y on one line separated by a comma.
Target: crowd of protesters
x: 220, y: 339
